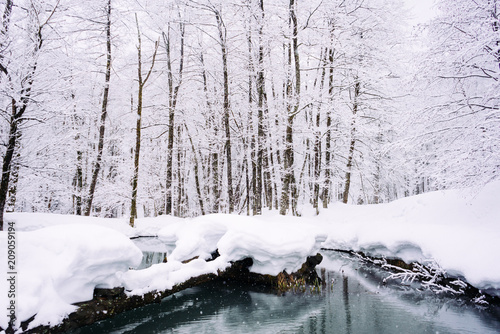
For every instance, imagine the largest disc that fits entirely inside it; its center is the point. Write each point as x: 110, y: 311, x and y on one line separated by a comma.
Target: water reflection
x: 345, y: 295
x: 350, y: 302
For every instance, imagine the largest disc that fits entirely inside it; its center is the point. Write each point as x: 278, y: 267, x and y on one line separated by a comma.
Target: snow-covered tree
x: 460, y: 141
x: 23, y: 35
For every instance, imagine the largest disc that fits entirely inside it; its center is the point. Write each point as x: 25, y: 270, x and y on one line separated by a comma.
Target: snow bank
x: 61, y: 265
x: 165, y: 276
x: 143, y: 226
x: 274, y: 247
x: 460, y: 232
x: 273, y: 244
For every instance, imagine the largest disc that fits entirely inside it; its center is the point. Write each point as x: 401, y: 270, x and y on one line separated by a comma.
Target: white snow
x: 274, y: 245
x: 164, y: 276
x: 61, y: 259
x: 61, y: 265
x: 461, y: 233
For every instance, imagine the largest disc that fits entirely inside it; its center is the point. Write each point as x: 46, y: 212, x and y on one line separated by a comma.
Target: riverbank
x: 61, y: 259
x: 107, y: 303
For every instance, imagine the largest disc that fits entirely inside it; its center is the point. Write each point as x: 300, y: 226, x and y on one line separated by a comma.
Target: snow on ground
x: 60, y: 265
x: 62, y: 258
x: 462, y: 234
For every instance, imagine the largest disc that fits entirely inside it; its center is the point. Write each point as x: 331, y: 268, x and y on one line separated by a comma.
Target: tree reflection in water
x: 353, y: 303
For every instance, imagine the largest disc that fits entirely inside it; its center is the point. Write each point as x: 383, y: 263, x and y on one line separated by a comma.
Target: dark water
x: 352, y: 301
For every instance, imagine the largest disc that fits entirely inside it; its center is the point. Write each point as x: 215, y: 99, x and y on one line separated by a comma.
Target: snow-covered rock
x: 61, y: 265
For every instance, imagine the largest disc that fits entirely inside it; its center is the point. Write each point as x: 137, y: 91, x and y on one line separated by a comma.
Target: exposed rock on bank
x: 107, y: 303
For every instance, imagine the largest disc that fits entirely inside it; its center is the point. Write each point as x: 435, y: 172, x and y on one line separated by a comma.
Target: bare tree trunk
x: 180, y: 177
x: 142, y: 83
x: 350, y: 157
x: 222, y: 35
x: 289, y: 190
x: 104, y: 112
x: 274, y: 152
x: 7, y: 159
x: 172, y: 103
x: 214, y: 151
x: 78, y: 183
x: 78, y: 178
x: 170, y: 140
x: 7, y: 13
x: 196, y: 171
x: 377, y: 198
x: 287, y: 152
x: 495, y: 26
x: 262, y: 131
x: 14, y: 178
x: 317, y: 137
x: 328, y: 138
x: 250, y: 182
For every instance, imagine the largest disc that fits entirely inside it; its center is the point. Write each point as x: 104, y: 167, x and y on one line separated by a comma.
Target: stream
x: 353, y: 300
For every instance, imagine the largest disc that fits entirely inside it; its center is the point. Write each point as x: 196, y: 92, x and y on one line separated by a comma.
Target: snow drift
x: 61, y: 265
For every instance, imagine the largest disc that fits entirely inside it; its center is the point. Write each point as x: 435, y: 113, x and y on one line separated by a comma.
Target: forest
x: 127, y: 108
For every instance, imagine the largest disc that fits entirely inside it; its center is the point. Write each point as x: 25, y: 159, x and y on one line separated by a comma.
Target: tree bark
x: 7, y: 13
x: 213, y: 164
x: 196, y: 171
x: 222, y: 35
x: 104, y: 113
x: 250, y: 148
x: 289, y: 190
x: 261, y: 165
x: 263, y: 154
x: 350, y: 157
x: 172, y: 103
x: 78, y: 183
x: 328, y: 138
x: 7, y: 160
x: 317, y: 137
x: 179, y: 212
x: 142, y: 83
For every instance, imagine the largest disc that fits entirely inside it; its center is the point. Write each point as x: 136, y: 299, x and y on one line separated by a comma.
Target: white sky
x: 423, y: 10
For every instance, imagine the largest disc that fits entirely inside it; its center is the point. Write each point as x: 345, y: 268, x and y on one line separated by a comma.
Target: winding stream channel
x: 353, y: 300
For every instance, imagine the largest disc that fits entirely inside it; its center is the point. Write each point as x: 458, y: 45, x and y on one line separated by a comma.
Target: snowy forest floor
x: 60, y: 259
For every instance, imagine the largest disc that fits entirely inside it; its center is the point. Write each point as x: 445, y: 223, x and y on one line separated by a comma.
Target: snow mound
x: 196, y: 237
x: 458, y: 231
x: 274, y: 246
x: 61, y: 265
